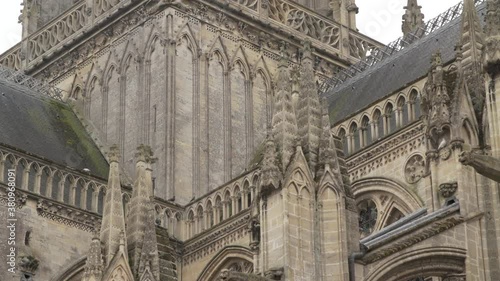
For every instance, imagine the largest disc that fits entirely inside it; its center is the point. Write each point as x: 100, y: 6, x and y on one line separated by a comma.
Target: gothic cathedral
x: 232, y: 140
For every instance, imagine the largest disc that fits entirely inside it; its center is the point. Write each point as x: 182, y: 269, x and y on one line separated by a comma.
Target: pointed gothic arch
x: 431, y: 261
x: 387, y: 195
x: 223, y: 260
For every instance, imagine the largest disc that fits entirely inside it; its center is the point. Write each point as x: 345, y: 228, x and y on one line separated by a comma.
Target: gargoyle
x: 485, y: 165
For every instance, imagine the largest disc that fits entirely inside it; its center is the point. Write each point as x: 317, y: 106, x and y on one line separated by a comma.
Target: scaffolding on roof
x: 379, y: 54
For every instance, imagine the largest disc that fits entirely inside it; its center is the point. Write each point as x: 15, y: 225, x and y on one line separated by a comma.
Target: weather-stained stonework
x: 249, y: 140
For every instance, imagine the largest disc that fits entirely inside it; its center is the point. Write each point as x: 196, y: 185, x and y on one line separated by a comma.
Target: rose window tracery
x: 415, y: 168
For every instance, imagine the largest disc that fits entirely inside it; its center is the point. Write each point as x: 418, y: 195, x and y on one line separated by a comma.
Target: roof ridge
x: 30, y: 83
x: 381, y: 54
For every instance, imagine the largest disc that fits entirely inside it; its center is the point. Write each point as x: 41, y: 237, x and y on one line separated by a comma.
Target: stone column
x: 374, y: 125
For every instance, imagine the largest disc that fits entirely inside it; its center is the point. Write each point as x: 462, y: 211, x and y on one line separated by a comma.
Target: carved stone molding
x: 447, y: 190
x: 397, y: 146
x: 67, y: 215
x: 414, y: 169
x: 20, y: 198
x: 215, y: 240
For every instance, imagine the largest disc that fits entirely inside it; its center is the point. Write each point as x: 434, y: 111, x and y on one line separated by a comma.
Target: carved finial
x: 413, y: 19
x: 114, y: 154
x: 145, y: 154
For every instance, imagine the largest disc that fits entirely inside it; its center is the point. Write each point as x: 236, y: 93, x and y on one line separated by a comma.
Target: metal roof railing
x: 380, y: 54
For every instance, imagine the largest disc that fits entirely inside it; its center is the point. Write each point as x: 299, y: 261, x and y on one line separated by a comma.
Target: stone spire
x: 413, y: 17
x: 284, y: 122
x: 271, y: 175
x: 113, y: 220
x: 309, y: 109
x: 472, y: 37
x: 492, y: 42
x: 94, y: 265
x: 149, y: 263
x: 141, y: 194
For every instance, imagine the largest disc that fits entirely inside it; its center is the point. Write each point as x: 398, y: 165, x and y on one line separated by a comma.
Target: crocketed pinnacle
x: 141, y: 194
x: 413, y: 18
x: 472, y: 37
x: 149, y: 259
x: 94, y: 265
x: 309, y: 109
x: 284, y: 121
x: 271, y: 175
x: 113, y: 220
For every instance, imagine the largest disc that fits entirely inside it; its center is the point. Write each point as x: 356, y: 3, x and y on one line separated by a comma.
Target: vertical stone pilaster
x: 227, y: 125
x: 170, y: 93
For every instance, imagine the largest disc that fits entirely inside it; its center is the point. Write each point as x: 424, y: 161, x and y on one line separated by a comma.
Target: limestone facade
x: 228, y: 159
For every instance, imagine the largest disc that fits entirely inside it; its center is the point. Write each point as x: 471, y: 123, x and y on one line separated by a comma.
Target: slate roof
x: 396, y: 72
x: 47, y: 128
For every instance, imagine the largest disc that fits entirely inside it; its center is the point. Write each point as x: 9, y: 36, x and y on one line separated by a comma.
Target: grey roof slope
x: 396, y: 72
x: 46, y: 128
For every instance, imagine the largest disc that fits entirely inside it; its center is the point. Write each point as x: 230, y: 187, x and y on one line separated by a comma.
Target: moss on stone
x: 77, y: 138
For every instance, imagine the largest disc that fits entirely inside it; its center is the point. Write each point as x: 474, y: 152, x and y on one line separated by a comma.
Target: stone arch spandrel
x: 387, y: 195
x: 430, y: 261
x: 411, y: 201
x: 224, y: 259
x: 72, y: 272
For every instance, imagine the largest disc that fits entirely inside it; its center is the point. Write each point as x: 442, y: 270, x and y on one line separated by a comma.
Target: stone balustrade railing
x: 282, y: 14
x: 218, y: 206
x: 58, y: 184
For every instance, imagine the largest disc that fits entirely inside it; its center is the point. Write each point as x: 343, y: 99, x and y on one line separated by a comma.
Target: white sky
x: 380, y: 19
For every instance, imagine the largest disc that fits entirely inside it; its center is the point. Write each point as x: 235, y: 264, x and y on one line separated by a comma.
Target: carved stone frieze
x: 19, y: 199
x: 67, y: 215
x: 415, y: 168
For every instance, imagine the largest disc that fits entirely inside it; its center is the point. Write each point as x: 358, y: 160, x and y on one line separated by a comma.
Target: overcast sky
x: 380, y: 19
